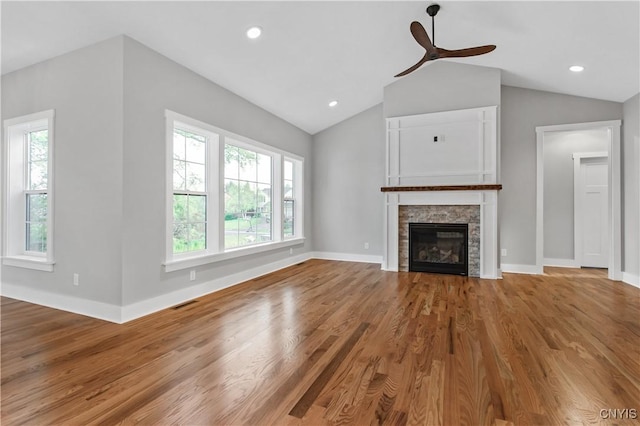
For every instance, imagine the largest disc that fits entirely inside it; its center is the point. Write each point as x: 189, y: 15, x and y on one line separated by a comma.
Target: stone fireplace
x: 440, y: 215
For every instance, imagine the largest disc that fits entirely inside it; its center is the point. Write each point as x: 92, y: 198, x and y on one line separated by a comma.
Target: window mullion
x: 277, y: 204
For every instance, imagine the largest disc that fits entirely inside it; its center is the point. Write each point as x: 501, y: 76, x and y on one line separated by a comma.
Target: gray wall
x: 110, y: 100
x: 631, y: 185
x: 84, y: 88
x: 559, y: 148
x: 348, y: 171
x: 153, y: 83
x: 521, y: 112
x: 442, y: 86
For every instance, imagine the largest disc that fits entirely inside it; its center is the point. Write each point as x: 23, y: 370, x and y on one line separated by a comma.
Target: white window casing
x: 16, y: 191
x: 215, y: 191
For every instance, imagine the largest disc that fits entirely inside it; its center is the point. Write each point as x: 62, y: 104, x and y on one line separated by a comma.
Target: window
x: 247, y: 196
x: 29, y: 199
x: 227, y: 195
x: 189, y: 191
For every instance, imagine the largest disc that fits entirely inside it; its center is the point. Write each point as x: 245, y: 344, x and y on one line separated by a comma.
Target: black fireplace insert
x: 440, y: 248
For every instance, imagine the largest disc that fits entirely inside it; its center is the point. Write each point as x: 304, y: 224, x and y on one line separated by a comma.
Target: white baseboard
x: 164, y: 301
x: 122, y: 314
x: 521, y: 269
x: 631, y: 279
x: 77, y: 305
x: 348, y: 257
x: 561, y: 263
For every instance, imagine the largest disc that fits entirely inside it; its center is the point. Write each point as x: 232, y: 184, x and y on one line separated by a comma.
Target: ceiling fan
x: 433, y: 52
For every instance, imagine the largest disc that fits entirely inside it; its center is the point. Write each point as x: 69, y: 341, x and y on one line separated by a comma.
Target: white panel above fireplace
x: 443, y: 148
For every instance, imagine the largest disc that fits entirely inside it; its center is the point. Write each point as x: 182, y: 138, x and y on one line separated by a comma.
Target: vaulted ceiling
x: 313, y: 52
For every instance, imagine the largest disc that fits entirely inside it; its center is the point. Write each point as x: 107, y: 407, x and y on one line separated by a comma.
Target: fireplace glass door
x: 439, y: 248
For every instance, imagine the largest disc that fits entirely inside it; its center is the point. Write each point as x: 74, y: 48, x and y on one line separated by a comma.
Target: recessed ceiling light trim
x: 254, y: 32
x: 333, y: 103
x: 576, y: 68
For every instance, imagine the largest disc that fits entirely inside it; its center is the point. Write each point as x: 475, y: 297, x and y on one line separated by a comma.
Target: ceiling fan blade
x: 418, y: 32
x: 424, y: 59
x: 461, y: 53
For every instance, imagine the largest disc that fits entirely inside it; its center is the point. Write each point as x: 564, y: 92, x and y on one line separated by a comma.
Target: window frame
x: 275, y: 161
x: 16, y: 162
x: 298, y: 186
x: 217, y: 138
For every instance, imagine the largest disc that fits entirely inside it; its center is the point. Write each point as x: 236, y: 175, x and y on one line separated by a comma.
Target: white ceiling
x: 313, y: 52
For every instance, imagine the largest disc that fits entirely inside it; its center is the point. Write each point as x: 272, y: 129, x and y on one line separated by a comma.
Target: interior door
x: 594, y: 193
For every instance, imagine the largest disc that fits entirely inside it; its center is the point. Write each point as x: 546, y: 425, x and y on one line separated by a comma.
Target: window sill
x: 203, y: 259
x: 29, y: 262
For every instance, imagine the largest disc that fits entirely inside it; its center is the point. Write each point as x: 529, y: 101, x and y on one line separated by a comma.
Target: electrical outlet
x: 503, y: 252
x: 290, y: 251
x: 76, y: 279
x: 192, y: 275
x: 366, y: 246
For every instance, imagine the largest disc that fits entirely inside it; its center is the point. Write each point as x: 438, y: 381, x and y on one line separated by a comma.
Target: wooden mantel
x: 492, y: 187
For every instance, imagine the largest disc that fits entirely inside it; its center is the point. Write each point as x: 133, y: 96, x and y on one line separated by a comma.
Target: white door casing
x: 614, y: 199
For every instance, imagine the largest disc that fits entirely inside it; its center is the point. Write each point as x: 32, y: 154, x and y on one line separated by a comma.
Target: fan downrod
x: 433, y: 10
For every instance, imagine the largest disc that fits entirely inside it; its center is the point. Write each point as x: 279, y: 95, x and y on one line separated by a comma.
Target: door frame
x: 615, y: 214
x: 577, y: 202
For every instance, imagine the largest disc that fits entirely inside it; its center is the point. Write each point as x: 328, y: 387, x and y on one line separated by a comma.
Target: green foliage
x: 36, y: 222
x: 241, y: 197
x: 189, y: 228
x: 239, y: 155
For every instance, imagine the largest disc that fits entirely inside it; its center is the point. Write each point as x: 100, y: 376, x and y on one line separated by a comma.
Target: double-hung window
x: 247, y: 195
x: 189, y: 191
x: 227, y: 195
x: 29, y: 197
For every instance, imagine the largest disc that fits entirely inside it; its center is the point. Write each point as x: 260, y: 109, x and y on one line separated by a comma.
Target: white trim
x: 637, y: 144
x: 561, y: 263
x: 184, y: 263
x: 217, y: 139
x: 581, y: 155
x: 77, y: 305
x: 579, y: 126
x: 28, y: 262
x: 521, y: 269
x: 631, y: 279
x: 122, y: 314
x: 347, y: 257
x: 615, y: 205
x: 164, y: 301
x: 13, y: 247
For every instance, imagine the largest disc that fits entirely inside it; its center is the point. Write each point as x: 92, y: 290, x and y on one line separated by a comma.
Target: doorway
x: 613, y: 237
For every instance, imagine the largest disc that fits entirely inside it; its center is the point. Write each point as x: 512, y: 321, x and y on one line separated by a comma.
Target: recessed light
x: 333, y: 103
x: 576, y: 68
x: 254, y: 32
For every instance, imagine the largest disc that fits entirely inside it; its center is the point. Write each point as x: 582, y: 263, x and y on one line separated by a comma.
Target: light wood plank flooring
x: 337, y: 342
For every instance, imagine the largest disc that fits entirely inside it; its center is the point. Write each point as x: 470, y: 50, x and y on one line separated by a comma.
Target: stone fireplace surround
x: 464, y: 214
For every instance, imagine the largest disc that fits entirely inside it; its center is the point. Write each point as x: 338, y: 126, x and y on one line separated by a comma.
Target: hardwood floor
x: 338, y: 342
